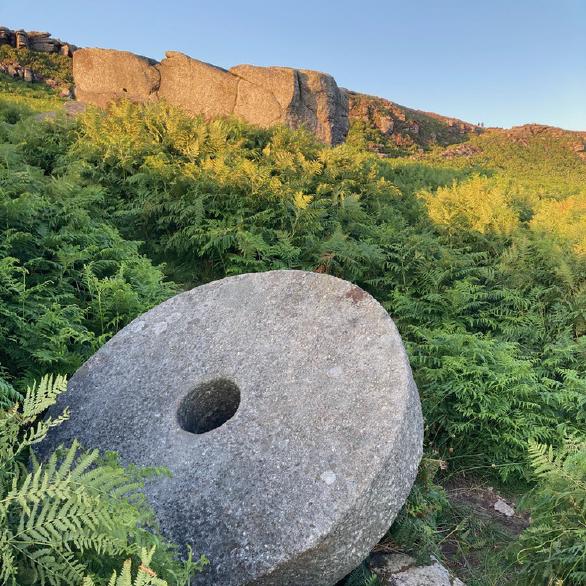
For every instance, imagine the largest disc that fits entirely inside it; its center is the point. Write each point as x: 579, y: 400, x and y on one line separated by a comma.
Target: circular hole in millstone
x: 208, y: 406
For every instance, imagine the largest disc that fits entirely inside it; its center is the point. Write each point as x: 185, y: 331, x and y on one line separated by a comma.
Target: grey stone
x: 502, y: 507
x: 322, y: 434
x: 399, y: 569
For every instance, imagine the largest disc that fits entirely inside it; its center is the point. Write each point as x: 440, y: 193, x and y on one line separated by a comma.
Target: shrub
x: 144, y: 574
x: 68, y: 280
x: 486, y: 288
x: 477, y: 205
x: 418, y: 526
x: 483, y: 401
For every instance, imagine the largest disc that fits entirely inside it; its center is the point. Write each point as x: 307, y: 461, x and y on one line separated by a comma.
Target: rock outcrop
x: 296, y: 97
x: 35, y: 41
x: 260, y: 95
x: 196, y: 86
x: 288, y: 465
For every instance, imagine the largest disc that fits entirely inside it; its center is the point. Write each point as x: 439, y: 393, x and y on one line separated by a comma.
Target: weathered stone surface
x: 260, y: 95
x: 198, y: 87
x: 103, y: 75
x: 6, y: 36
x: 326, y: 433
x: 293, y: 97
x: 265, y: 94
x: 21, y: 39
x: 324, y: 108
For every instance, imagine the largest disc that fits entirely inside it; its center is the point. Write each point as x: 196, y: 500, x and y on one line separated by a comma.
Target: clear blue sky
x: 502, y: 62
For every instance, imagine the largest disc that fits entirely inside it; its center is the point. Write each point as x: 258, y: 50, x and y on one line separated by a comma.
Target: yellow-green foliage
x: 49, y: 65
x: 500, y: 205
x: 564, y: 219
x: 145, y: 575
x: 479, y: 204
x: 19, y: 99
x: 543, y: 163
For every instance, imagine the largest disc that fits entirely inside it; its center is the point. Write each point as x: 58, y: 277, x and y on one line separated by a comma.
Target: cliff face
x: 260, y: 95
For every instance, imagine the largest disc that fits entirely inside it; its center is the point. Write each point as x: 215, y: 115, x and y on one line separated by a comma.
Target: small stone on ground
x: 399, y: 569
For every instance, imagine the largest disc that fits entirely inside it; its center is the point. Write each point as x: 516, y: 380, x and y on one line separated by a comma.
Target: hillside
x: 394, y: 129
x: 323, y: 108
x: 474, y: 240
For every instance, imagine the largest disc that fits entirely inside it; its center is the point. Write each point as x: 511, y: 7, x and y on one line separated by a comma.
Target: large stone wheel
x: 282, y: 402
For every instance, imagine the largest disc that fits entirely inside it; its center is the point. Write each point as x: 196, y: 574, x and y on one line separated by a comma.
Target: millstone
x: 282, y: 402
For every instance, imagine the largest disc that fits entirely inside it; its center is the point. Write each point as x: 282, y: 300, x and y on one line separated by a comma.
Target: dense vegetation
x: 481, y: 261
x: 49, y: 66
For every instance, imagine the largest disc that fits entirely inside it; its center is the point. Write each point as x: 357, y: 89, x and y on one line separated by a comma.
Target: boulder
x: 196, y: 86
x: 103, y: 75
x: 293, y: 97
x: 323, y: 108
x: 283, y: 404
x: 265, y: 94
x: 21, y: 39
x: 6, y: 36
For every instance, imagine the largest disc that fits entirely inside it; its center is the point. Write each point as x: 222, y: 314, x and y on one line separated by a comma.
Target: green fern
x: 144, y: 574
x: 554, y: 546
x: 74, y: 513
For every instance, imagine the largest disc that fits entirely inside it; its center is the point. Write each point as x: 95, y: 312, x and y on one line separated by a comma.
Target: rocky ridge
x: 260, y: 95
x: 35, y: 41
x: 521, y: 135
x: 405, y: 128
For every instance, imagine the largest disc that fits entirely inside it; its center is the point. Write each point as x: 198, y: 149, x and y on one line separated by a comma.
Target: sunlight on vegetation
x: 480, y: 261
